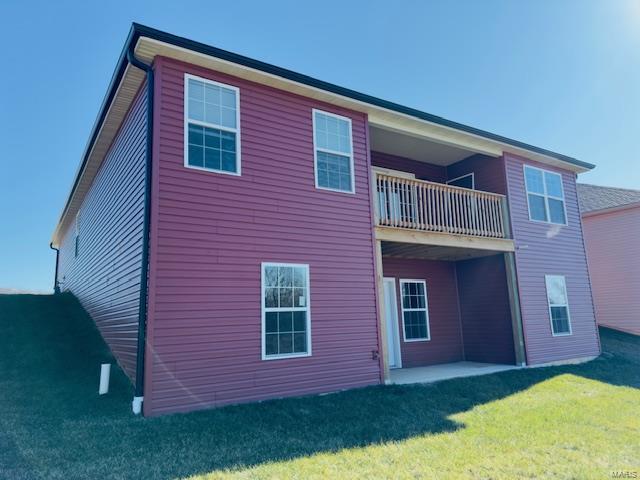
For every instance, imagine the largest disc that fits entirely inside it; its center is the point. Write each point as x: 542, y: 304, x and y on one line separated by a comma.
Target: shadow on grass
x: 55, y: 425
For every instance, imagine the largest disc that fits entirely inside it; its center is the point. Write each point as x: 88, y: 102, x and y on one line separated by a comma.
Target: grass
x: 578, y: 421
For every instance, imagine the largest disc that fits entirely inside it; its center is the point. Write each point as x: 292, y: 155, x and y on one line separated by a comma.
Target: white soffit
x: 148, y: 48
x: 415, y: 148
x: 133, y: 78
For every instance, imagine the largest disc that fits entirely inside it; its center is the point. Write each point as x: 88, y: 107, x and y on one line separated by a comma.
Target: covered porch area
x: 447, y: 311
x: 447, y: 291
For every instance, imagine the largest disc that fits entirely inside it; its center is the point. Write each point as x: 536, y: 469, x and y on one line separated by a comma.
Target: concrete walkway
x: 435, y: 373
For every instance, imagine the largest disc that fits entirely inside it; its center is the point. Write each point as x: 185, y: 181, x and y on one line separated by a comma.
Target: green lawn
x: 579, y: 421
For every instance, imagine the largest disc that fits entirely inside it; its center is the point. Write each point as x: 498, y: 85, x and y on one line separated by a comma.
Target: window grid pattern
x: 415, y: 318
x: 212, y: 126
x: 286, y: 310
x: 334, y: 171
x: 211, y: 148
x: 558, y: 304
x: 545, y: 195
x: 333, y: 152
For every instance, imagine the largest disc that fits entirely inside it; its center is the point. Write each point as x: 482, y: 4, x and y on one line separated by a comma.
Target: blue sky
x: 560, y: 74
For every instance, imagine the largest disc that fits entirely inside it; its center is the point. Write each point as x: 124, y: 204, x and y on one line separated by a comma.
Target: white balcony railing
x: 436, y: 207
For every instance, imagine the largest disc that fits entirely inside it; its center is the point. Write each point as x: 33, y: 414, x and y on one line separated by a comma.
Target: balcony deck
x: 444, y: 217
x: 417, y: 219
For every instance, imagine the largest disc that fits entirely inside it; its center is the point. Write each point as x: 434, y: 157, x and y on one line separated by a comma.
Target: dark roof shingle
x: 595, y: 197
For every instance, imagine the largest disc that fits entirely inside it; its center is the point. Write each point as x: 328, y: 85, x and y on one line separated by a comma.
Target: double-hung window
x: 558, y: 304
x: 333, y: 151
x: 211, y: 126
x: 545, y: 195
x: 415, y: 315
x: 285, y: 311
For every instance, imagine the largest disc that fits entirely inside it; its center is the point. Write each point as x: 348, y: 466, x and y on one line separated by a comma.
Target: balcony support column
x: 514, y: 304
x: 514, y: 292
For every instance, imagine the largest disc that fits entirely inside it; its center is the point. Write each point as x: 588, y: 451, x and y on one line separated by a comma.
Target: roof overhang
x: 125, y: 83
x: 149, y: 43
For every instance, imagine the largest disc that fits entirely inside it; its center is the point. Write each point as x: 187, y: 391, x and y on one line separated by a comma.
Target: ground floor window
x: 415, y: 315
x: 558, y: 304
x: 285, y: 311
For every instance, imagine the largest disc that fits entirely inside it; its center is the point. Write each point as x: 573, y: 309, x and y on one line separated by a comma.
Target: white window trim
x: 426, y: 310
x: 334, y: 152
x: 473, y: 180
x: 564, y: 279
x: 187, y: 77
x: 284, y: 309
x: 546, y: 196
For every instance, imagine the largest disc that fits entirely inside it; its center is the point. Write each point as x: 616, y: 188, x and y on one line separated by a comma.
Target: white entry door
x: 391, y: 315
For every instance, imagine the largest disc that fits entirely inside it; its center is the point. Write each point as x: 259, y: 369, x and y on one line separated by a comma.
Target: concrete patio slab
x: 435, y: 373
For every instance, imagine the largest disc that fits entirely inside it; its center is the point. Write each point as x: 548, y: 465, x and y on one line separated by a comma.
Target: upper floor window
x: 545, y: 195
x: 558, y: 304
x: 212, y: 126
x: 415, y: 316
x: 285, y: 311
x: 333, y: 150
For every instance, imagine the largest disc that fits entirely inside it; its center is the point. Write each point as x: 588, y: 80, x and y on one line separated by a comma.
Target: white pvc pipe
x: 105, y: 372
x: 137, y: 405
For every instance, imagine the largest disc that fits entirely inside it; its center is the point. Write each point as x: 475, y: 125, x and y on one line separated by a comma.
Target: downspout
x: 56, y: 285
x: 144, y: 271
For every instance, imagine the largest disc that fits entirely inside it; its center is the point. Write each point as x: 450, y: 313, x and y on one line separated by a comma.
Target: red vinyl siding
x: 613, y: 250
x: 542, y: 249
x: 444, y: 320
x: 422, y: 170
x: 484, y: 310
x: 488, y: 172
x: 210, y: 233
x: 106, y: 274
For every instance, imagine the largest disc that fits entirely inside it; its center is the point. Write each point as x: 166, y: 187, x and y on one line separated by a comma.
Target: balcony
x: 417, y: 211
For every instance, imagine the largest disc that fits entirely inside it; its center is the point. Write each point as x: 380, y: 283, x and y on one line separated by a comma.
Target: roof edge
x: 615, y: 208
x: 138, y: 30
x: 608, y: 187
x: 116, y: 77
x: 145, y: 31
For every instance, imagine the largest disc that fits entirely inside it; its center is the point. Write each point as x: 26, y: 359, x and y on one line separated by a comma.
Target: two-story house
x: 240, y: 232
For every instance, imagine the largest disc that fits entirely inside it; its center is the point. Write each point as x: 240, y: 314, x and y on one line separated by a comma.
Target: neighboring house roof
x: 596, y: 197
x: 147, y: 42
